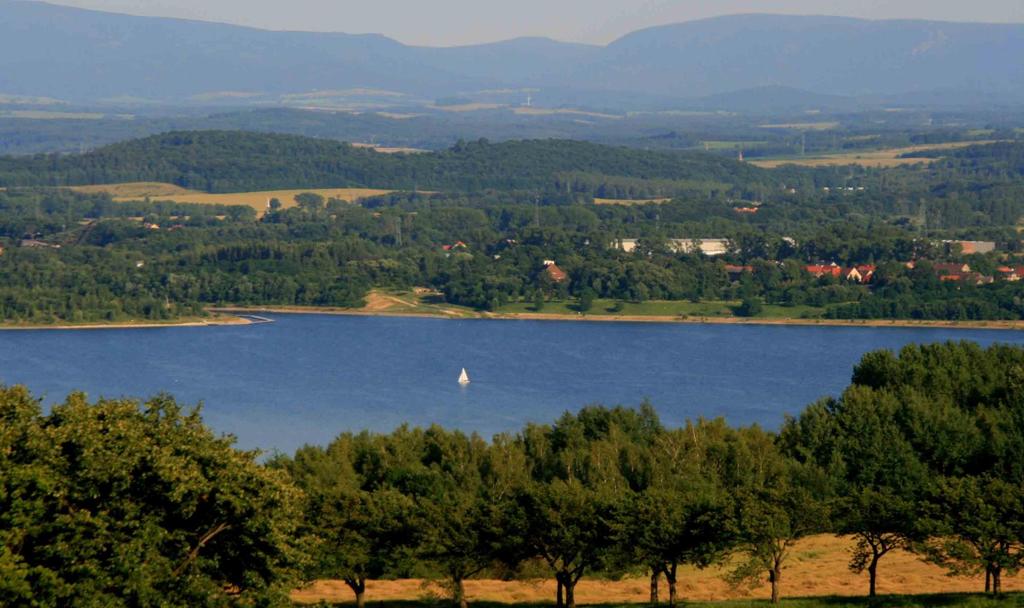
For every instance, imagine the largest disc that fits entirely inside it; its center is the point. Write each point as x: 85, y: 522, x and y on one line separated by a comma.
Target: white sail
x: 463, y: 377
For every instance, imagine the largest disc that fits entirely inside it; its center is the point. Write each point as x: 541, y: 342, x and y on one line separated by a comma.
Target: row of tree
x: 921, y: 453
x: 113, y: 504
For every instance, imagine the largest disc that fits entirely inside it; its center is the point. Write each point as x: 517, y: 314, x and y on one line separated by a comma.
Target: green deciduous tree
x: 778, y: 502
x: 122, y: 504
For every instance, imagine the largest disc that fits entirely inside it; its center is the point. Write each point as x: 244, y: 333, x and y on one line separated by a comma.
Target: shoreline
x: 227, y: 316
x: 219, y: 321
x: 696, y: 320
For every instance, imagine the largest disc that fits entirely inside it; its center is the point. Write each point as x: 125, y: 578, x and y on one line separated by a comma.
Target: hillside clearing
x: 868, y: 158
x: 257, y: 200
x: 635, y: 201
x: 135, y: 190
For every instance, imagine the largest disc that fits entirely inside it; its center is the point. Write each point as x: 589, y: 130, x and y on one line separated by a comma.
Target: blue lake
x: 306, y: 378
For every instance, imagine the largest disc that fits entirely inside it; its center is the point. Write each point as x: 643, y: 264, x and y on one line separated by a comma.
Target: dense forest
x: 237, y: 161
x: 791, y: 238
x: 119, y: 503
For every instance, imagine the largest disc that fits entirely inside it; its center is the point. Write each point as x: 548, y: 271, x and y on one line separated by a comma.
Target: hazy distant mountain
x: 85, y: 56
x: 827, y: 55
x: 772, y: 99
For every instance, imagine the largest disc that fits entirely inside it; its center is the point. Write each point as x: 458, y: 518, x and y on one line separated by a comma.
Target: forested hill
x: 226, y: 161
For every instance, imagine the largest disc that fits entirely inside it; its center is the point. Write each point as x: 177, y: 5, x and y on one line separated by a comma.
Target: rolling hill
x: 237, y: 161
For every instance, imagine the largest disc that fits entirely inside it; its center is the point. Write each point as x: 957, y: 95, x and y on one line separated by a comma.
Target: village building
x: 555, y: 273
x: 860, y: 274
x: 709, y: 247
x: 1008, y: 273
x: 822, y: 270
x: 736, y: 272
x: 968, y: 278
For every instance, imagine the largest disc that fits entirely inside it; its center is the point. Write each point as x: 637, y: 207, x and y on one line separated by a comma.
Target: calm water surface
x: 305, y: 378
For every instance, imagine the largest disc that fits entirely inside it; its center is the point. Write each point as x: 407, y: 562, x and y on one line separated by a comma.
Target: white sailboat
x: 463, y: 377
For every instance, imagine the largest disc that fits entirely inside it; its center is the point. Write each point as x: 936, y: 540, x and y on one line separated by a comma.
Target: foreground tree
x: 980, y: 529
x: 682, y: 518
x: 360, y: 535
x: 461, y: 511
x: 569, y: 527
x: 127, y: 505
x: 778, y: 503
x: 877, y: 477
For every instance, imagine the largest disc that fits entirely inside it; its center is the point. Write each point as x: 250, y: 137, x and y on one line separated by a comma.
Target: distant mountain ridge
x: 88, y: 56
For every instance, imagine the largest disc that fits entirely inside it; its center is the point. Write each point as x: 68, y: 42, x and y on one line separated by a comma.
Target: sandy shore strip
x: 218, y: 321
x: 694, y: 320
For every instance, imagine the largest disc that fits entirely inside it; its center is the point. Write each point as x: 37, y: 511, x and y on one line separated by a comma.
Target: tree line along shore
x: 121, y: 503
x: 510, y: 227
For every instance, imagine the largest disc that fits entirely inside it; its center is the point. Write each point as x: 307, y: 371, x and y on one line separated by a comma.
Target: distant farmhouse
x: 709, y: 247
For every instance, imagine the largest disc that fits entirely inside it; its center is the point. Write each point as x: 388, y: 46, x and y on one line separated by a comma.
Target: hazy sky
x: 450, y: 22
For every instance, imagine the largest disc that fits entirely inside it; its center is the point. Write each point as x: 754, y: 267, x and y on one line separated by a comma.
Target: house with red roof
x: 555, y: 273
x: 1009, y: 273
x: 735, y: 272
x: 823, y: 270
x: 862, y: 273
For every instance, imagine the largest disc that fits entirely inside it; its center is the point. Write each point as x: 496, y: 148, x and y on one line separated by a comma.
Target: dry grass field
x: 256, y: 200
x: 532, y: 111
x: 817, y: 567
x: 639, y: 201
x: 389, y: 150
x: 867, y: 158
x: 809, y: 126
x: 469, y: 107
x: 135, y: 190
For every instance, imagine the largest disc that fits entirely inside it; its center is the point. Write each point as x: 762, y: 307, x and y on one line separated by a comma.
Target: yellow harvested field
x: 868, y: 158
x: 256, y: 200
x: 531, y: 111
x: 387, y: 150
x: 811, y: 126
x: 135, y: 189
x: 628, y: 202
x: 817, y: 566
x: 469, y: 107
